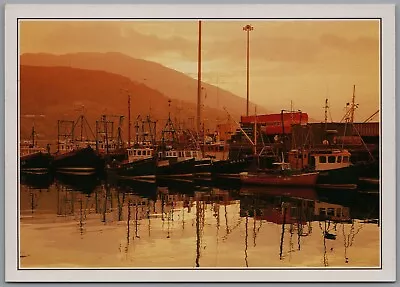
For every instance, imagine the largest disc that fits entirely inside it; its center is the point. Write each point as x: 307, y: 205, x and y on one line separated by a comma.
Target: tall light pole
x: 248, y: 28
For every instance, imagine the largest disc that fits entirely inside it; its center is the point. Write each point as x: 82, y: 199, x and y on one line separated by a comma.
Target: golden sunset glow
x: 300, y: 61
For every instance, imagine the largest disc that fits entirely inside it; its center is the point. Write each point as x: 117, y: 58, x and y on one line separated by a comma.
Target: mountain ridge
x: 59, y: 93
x: 170, y: 82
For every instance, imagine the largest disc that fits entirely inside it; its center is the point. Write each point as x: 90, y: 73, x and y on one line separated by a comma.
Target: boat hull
x: 203, y: 168
x: 81, y: 161
x: 303, y: 179
x: 224, y: 167
x: 36, y: 163
x: 178, y: 169
x: 145, y: 168
x: 339, y: 177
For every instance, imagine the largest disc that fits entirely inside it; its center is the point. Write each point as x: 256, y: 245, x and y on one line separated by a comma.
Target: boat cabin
x: 329, y: 160
x: 112, y: 145
x: 320, y: 159
x: 135, y: 154
x: 27, y: 148
x: 179, y: 155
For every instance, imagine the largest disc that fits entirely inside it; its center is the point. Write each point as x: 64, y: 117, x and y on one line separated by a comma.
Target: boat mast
x: 255, y: 130
x: 129, y: 120
x: 199, y: 82
x: 353, y: 104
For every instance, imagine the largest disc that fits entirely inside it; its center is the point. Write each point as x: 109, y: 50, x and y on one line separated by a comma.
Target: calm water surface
x: 90, y: 222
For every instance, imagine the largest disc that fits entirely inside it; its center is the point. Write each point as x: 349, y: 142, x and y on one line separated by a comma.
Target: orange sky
x: 302, y: 61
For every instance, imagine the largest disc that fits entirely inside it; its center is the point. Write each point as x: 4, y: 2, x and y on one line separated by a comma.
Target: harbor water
x: 93, y: 222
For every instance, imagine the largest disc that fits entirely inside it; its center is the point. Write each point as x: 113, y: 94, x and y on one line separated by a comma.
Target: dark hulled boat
x: 143, y: 168
x: 203, y: 167
x: 141, y: 163
x: 36, y: 163
x: 228, y: 168
x: 78, y: 161
x: 185, y: 168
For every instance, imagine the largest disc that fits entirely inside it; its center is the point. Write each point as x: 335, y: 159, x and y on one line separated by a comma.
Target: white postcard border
x: 386, y: 12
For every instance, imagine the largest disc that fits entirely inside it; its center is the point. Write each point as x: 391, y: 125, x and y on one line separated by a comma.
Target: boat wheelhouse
x: 334, y: 166
x: 135, y: 154
x: 175, y: 155
x: 319, y: 160
x: 27, y: 148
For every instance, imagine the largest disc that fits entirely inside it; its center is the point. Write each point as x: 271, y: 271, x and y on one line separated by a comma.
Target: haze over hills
x: 171, y: 83
x: 59, y: 93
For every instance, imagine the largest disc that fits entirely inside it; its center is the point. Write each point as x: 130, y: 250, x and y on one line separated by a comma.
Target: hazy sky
x: 302, y: 61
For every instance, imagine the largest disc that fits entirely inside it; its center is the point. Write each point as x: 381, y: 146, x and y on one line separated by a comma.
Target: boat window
x: 188, y: 154
x: 322, y: 159
x: 331, y: 212
x: 322, y: 211
x: 345, y: 159
x: 339, y: 159
x: 149, y: 152
x: 331, y: 159
x: 139, y: 152
x: 174, y: 153
x: 339, y: 212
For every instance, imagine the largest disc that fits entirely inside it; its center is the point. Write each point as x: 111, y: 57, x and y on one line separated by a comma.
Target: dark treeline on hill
x: 59, y: 93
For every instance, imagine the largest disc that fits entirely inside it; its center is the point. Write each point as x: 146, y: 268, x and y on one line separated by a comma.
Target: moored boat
x: 141, y: 163
x: 230, y: 168
x: 280, y: 179
x: 78, y: 161
x: 184, y: 168
x: 334, y: 166
x: 36, y: 163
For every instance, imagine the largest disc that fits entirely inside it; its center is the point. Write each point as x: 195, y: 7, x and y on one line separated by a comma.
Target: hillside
x: 171, y: 83
x: 59, y: 93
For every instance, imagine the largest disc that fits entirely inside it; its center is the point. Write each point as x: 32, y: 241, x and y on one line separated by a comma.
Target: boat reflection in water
x: 87, y: 221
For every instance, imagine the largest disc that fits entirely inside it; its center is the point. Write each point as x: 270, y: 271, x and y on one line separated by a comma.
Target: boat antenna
x: 326, y: 107
x: 353, y: 105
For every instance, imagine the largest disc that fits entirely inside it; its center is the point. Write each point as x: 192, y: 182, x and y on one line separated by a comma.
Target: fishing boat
x: 283, y: 175
x: 36, y: 162
x: 141, y: 163
x: 280, y: 179
x: 83, y: 161
x: 34, y: 159
x: 230, y: 167
x: 333, y: 164
x: 202, y: 166
x: 185, y: 168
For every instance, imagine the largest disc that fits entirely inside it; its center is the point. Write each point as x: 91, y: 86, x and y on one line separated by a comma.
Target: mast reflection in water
x: 88, y: 221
